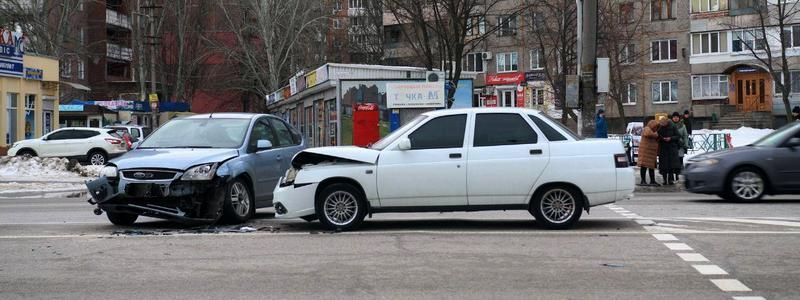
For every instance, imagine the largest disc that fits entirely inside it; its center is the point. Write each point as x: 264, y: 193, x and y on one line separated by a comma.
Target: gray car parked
x: 202, y: 168
x: 770, y: 166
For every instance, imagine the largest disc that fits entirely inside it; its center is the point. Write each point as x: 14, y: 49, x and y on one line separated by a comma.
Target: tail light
x: 621, y: 160
x: 114, y: 141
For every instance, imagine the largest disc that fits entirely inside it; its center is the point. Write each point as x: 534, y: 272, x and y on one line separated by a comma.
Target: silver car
x: 770, y: 166
x: 203, y: 168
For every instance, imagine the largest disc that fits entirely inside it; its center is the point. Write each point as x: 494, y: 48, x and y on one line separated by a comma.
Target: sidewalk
x: 677, y: 187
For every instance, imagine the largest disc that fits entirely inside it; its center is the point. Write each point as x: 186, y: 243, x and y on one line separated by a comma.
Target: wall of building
x: 29, y: 116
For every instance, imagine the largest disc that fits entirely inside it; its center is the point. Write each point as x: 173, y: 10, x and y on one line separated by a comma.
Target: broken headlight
x: 288, y: 178
x: 201, y: 172
x: 108, y: 172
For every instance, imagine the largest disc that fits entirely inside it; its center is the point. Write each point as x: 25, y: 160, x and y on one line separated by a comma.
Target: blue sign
x: 70, y: 107
x: 34, y: 74
x: 11, y: 51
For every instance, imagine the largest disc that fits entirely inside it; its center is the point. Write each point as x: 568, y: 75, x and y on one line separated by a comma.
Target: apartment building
x: 355, y: 32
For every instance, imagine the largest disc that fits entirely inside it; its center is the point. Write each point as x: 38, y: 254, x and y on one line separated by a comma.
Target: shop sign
x: 116, y: 104
x: 153, y: 97
x: 292, y: 86
x: 505, y: 78
x: 70, y: 107
x: 537, y: 75
x: 490, y: 101
x: 311, y: 79
x: 34, y: 74
x: 301, y: 83
x: 322, y: 74
x: 415, y: 94
x: 520, y: 96
x: 11, y: 50
x: 286, y: 93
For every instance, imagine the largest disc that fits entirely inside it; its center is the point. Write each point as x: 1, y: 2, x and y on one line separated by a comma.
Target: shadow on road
x: 763, y: 201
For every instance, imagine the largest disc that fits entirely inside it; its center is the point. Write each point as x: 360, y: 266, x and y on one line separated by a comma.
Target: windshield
x: 385, y: 141
x: 775, y: 138
x: 199, y: 133
x: 561, y: 126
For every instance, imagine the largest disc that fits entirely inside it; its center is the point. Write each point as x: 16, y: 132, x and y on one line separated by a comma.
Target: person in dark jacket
x: 668, y: 160
x: 601, y: 127
x: 796, y: 113
x: 687, y: 121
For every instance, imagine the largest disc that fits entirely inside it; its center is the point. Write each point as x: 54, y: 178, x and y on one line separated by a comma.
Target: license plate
x: 146, y: 190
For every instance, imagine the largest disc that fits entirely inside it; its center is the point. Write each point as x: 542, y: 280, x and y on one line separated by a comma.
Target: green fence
x: 710, y: 142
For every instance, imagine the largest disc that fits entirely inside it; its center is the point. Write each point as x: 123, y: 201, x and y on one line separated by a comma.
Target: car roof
x: 225, y: 116
x: 124, y: 126
x: 86, y: 128
x: 446, y: 112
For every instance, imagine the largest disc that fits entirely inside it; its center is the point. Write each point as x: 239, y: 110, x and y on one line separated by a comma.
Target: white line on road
x: 749, y: 221
x: 692, y: 257
x: 730, y: 285
x: 709, y: 270
x: 749, y: 298
x: 664, y: 237
x: 678, y: 246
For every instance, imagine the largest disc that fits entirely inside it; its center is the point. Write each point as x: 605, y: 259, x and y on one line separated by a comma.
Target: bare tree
x: 185, y: 47
x: 622, y: 27
x: 366, y: 37
x: 773, y: 30
x: 46, y: 24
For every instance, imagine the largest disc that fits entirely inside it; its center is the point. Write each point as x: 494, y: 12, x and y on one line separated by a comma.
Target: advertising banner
x: 11, y: 51
x: 34, y: 74
x: 490, y: 101
x: 415, y: 94
x: 505, y: 78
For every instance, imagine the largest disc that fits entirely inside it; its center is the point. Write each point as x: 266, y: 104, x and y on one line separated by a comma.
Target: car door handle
x: 278, y: 157
x: 455, y: 155
x: 536, y: 151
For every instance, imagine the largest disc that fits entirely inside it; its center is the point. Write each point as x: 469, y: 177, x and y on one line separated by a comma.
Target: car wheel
x: 557, y: 207
x: 309, y: 218
x: 746, y: 184
x: 340, y: 206
x: 239, y: 205
x: 26, y: 153
x: 121, y: 219
x: 97, y: 158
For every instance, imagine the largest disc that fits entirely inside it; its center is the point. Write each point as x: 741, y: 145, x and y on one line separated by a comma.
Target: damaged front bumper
x: 172, y: 199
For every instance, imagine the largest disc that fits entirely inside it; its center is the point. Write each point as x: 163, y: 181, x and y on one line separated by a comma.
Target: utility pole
x: 587, y: 64
x: 153, y: 41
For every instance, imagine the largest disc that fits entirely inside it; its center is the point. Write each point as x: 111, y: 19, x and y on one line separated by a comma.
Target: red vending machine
x: 366, y: 117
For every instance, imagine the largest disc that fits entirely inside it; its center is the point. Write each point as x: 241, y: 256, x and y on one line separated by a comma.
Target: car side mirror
x: 793, y: 142
x: 263, y: 145
x: 404, y: 144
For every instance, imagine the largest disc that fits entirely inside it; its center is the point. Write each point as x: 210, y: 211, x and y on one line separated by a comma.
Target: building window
x: 664, y: 51
x: 66, y: 69
x: 358, y: 39
x: 743, y: 7
x: 477, y: 26
x: 81, y: 70
x: 337, y: 24
x: 665, y: 91
x: 507, y: 62
x: 662, y: 10
x: 631, y: 94
x: 507, y: 25
x: 356, y: 3
x: 536, y: 59
x: 795, y: 82
x: 626, y: 13
x: 83, y: 36
x: 337, y: 5
x: 709, y: 5
x: 791, y: 36
x: 747, y: 40
x: 537, y: 21
x: 627, y: 54
x: 709, y: 86
x: 358, y: 21
x: 473, y: 62
x: 709, y: 42
x: 538, y: 97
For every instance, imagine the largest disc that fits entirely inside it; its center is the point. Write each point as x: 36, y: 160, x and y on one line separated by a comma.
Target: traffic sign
x: 153, y: 98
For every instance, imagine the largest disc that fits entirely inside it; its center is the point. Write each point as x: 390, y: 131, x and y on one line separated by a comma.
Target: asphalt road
x: 656, y: 246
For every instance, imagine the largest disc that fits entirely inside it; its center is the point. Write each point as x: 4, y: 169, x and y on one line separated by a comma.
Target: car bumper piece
x: 294, y: 201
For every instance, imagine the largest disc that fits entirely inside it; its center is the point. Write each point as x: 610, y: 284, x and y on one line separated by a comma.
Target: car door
x: 80, y: 142
x: 786, y: 163
x: 288, y: 142
x: 506, y: 157
x: 53, y: 144
x: 433, y: 172
x: 264, y: 162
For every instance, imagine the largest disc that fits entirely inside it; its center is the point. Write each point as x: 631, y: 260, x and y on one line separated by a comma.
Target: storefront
x: 28, y: 93
x: 80, y: 115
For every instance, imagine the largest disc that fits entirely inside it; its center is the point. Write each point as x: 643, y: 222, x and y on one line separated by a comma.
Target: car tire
x: 745, y: 185
x: 121, y: 219
x: 239, y: 205
x: 340, y: 207
x: 97, y: 158
x: 309, y: 218
x: 26, y: 153
x: 557, y: 207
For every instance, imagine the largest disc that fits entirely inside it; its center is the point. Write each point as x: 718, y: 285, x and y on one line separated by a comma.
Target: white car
x: 95, y: 145
x: 459, y: 160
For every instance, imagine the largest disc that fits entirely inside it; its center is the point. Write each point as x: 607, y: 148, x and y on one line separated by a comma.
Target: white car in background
x: 459, y: 160
x: 93, y: 145
x: 137, y: 133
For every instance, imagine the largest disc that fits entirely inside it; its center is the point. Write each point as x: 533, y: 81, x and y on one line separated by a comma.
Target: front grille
x: 146, y: 190
x: 148, y: 174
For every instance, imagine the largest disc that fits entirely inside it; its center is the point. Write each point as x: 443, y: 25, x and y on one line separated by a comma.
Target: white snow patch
x: 44, y: 169
x: 14, y: 187
x: 742, y: 136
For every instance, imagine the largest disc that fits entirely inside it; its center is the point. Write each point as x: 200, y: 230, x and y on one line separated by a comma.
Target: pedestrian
x: 648, y: 151
x: 683, y: 143
x: 668, y: 139
x: 687, y: 121
x: 796, y: 113
x: 601, y: 127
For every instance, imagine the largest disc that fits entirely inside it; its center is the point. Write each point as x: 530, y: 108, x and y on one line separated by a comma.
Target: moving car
x: 202, y: 168
x: 137, y: 133
x: 459, y: 160
x: 94, y: 145
x: 769, y: 166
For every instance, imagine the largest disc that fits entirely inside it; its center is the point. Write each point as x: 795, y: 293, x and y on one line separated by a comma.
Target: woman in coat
x: 668, y: 140
x: 683, y: 143
x: 648, y: 151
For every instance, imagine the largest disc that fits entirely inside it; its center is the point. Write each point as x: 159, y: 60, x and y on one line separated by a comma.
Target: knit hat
x: 796, y: 110
x: 601, y: 111
x: 676, y: 114
x: 686, y: 112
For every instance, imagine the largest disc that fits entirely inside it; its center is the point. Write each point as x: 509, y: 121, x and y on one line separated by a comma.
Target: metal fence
x: 710, y: 142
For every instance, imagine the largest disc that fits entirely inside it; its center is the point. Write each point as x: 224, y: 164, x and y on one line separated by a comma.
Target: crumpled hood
x: 351, y: 153
x: 179, y: 159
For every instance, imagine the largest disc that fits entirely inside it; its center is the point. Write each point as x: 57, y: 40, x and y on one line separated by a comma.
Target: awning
x: 77, y: 86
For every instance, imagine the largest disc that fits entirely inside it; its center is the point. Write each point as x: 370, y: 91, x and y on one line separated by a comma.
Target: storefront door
x: 753, y: 92
x: 507, y: 98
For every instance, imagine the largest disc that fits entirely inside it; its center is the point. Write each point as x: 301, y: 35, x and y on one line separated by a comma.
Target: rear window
x: 551, y: 133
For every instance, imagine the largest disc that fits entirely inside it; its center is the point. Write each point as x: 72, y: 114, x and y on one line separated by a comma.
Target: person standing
x: 648, y: 151
x: 796, y: 113
x: 683, y: 143
x: 667, y: 150
x: 687, y: 121
x: 601, y: 127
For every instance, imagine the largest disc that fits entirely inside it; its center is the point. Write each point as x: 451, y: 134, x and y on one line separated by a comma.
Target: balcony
x: 118, y: 19
x: 119, y: 52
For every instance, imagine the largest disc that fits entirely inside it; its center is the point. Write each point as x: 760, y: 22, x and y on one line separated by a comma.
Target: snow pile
x: 41, y: 168
x: 739, y: 137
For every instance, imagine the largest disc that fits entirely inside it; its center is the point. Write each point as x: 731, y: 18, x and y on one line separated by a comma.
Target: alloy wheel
x: 340, y: 208
x: 747, y: 185
x: 557, y: 205
x: 240, y: 199
x: 97, y: 159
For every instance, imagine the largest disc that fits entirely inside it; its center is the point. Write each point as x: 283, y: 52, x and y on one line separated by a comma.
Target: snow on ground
x: 44, y: 169
x: 742, y: 136
x: 11, y: 189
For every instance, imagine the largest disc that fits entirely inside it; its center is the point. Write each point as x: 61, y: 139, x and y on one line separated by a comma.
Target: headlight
x: 201, y: 172
x: 288, y: 178
x: 708, y: 162
x: 109, y: 172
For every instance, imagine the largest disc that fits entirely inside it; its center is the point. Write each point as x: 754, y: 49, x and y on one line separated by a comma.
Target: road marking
x: 730, y: 285
x: 630, y: 215
x: 664, y: 237
x: 692, y: 257
x: 710, y: 270
x: 749, y: 298
x: 749, y: 221
x: 645, y: 222
x: 678, y: 246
